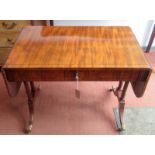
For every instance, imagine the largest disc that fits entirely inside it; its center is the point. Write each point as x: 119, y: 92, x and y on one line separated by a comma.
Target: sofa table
x: 71, y: 53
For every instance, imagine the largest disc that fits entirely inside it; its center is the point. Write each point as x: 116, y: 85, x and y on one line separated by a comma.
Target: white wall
x: 141, y: 28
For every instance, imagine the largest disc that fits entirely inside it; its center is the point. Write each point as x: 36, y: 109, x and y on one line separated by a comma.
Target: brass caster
x: 122, y: 128
x: 29, y: 129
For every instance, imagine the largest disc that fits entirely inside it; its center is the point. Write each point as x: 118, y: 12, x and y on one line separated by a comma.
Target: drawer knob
x: 10, y: 41
x: 7, y: 26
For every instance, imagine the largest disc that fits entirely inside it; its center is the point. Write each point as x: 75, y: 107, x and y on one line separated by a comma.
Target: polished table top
x: 72, y: 47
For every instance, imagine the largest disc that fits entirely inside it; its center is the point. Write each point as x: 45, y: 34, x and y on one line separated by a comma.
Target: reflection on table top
x: 76, y: 47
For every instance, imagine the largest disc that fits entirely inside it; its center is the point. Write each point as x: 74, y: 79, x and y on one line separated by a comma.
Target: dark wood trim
x: 42, y: 22
x: 150, y: 40
x: 51, y: 22
x: 32, y: 22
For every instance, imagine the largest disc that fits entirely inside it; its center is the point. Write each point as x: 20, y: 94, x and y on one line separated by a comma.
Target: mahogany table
x: 86, y: 53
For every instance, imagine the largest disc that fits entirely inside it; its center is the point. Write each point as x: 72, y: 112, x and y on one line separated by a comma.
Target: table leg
x: 119, y: 86
x: 122, y: 103
x: 120, y: 94
x: 33, y: 89
x: 30, y: 91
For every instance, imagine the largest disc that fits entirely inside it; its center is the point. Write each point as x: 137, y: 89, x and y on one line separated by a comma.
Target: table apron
x: 70, y: 75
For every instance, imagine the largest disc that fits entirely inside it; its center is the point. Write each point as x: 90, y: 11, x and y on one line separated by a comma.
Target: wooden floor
x: 58, y: 111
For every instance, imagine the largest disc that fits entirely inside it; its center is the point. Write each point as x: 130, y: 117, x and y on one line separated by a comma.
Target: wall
x: 141, y: 28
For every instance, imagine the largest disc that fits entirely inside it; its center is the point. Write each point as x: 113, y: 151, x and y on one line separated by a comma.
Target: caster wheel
x: 28, y: 130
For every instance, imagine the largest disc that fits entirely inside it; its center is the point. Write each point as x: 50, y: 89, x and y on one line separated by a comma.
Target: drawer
x: 13, y: 24
x: 4, y: 52
x: 82, y: 75
x: 34, y: 75
x: 8, y: 38
x: 102, y: 75
x: 114, y: 75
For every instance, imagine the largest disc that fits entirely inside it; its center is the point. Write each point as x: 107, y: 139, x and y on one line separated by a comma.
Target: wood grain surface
x: 4, y: 53
x: 13, y: 24
x: 8, y: 38
x: 76, y: 47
